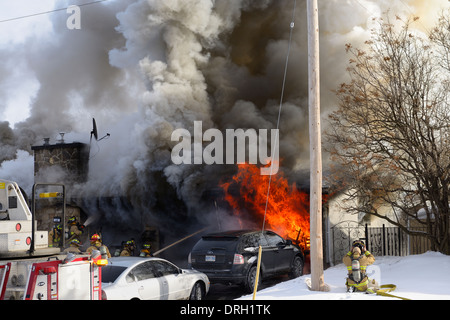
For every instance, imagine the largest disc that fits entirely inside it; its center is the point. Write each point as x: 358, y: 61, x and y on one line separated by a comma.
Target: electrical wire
x: 292, y: 25
x: 51, y: 11
x: 414, y: 15
x: 408, y: 8
x: 274, y: 148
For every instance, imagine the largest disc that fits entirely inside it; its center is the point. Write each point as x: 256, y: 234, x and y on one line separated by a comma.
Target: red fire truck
x: 71, y: 278
x: 29, y: 269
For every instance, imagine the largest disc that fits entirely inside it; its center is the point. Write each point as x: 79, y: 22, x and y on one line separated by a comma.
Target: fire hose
x: 178, y: 241
x: 385, y: 288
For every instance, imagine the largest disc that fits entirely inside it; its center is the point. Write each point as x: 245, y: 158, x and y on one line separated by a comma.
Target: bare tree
x: 389, y: 137
x: 440, y: 35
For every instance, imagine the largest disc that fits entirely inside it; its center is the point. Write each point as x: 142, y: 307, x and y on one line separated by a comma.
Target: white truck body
x: 36, y: 276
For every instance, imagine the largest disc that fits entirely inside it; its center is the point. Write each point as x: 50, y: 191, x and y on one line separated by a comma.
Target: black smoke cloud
x: 144, y: 68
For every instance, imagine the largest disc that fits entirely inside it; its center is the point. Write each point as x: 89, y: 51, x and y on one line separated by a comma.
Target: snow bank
x: 424, y: 277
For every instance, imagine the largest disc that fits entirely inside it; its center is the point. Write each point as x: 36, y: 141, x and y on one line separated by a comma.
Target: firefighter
x: 145, y: 251
x: 128, y: 249
x: 357, y: 260
x: 74, y: 246
x: 54, y: 236
x: 96, y: 244
x: 75, y: 228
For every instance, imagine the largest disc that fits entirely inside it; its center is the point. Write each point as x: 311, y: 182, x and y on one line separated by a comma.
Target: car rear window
x: 111, y: 273
x: 225, y: 243
x: 252, y: 241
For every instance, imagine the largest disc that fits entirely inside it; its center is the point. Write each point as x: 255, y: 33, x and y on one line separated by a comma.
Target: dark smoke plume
x: 144, y: 68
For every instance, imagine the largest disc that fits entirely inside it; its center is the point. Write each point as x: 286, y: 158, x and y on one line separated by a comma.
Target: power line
x: 363, y: 6
x: 408, y: 8
x: 413, y: 14
x: 51, y: 11
x: 292, y: 25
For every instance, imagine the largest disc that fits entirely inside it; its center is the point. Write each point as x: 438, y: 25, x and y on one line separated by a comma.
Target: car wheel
x: 249, y: 284
x: 197, y: 292
x: 297, y: 268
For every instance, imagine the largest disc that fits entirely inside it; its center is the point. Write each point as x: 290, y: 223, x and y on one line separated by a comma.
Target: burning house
x: 68, y: 164
x: 283, y: 207
x: 148, y: 68
x: 68, y: 160
x: 59, y: 163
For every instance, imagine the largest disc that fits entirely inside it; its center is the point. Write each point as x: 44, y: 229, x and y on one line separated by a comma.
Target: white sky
x: 16, y: 31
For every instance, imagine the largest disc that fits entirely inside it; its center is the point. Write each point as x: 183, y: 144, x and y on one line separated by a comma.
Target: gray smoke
x: 144, y: 68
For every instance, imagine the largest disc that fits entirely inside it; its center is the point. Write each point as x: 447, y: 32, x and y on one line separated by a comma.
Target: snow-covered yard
x: 425, y: 276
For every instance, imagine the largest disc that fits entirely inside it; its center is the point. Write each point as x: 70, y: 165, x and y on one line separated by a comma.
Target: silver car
x: 128, y: 278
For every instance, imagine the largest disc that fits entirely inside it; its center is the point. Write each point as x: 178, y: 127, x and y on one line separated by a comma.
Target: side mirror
x: 288, y: 242
x: 281, y: 244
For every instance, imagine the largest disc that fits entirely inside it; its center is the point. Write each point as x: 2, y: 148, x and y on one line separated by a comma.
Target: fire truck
x: 29, y: 268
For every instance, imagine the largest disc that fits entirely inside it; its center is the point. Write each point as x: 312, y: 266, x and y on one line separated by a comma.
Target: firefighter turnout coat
x: 96, y: 246
x: 365, y: 260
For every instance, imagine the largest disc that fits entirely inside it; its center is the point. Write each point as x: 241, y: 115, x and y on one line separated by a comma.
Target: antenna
x: 94, y: 129
x: 94, y: 133
x: 61, y: 141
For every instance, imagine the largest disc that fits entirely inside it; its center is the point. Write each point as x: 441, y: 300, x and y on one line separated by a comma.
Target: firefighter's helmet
x: 359, y: 244
x: 75, y: 242
x: 129, y: 243
x: 72, y: 219
x: 95, y: 237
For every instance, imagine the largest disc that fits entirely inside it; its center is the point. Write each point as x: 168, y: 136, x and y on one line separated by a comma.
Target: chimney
x: 72, y: 158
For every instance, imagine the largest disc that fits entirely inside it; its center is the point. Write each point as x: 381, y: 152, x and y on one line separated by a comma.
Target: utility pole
x: 316, y: 250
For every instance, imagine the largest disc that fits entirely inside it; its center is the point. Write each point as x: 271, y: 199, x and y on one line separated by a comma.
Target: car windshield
x: 110, y: 273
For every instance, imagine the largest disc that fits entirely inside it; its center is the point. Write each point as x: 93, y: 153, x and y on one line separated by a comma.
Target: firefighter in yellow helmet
x: 96, y: 244
x: 357, y: 260
x: 75, y: 228
x: 145, y: 251
x: 55, y: 236
x: 128, y: 249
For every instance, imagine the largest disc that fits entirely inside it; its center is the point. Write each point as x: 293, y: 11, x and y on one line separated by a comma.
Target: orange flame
x: 287, y: 207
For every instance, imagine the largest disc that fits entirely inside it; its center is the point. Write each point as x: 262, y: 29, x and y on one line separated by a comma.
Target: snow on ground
x: 418, y: 277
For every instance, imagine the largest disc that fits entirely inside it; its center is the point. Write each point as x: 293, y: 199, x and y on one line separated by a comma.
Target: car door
x: 143, y: 278
x: 172, y: 284
x: 267, y: 255
x: 249, y: 246
x: 282, y: 252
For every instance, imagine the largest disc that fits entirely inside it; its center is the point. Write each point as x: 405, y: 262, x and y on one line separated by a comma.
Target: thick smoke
x: 147, y: 67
